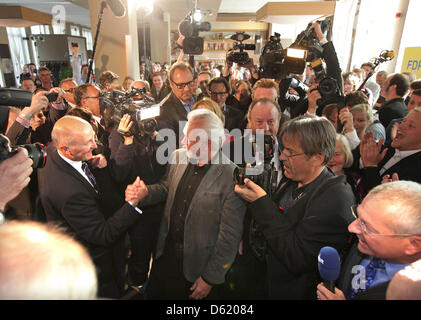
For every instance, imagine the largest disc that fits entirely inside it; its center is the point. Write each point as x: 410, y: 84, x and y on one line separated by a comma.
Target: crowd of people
x: 344, y: 174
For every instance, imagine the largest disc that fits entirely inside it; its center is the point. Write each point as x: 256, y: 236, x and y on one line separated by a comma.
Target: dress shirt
x: 189, y: 105
x: 398, y: 156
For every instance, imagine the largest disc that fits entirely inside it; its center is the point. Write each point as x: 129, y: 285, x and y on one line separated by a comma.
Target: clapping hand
x: 370, y: 150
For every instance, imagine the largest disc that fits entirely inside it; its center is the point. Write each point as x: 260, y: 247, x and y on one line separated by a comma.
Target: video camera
x: 115, y: 104
x: 241, y: 57
x: 268, y: 179
x: 36, y: 151
x: 190, y: 28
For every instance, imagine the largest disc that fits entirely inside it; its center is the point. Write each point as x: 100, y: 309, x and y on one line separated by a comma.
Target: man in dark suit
x: 219, y: 90
x: 389, y: 238
x: 402, y: 160
x: 71, y: 197
x: 176, y: 106
x: 396, y: 87
x: 202, y: 224
x: 159, y: 89
x: 309, y: 210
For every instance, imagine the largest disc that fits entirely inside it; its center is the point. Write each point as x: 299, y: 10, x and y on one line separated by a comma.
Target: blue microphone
x: 329, y: 266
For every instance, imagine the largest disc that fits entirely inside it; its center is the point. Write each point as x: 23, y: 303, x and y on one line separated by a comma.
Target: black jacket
x: 319, y: 217
x: 392, y: 109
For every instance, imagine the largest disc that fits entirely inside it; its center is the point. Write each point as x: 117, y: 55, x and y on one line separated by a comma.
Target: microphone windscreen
x: 117, y: 7
x: 185, y: 28
x: 329, y: 264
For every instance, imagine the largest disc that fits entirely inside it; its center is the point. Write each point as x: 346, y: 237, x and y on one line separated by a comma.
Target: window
x: 40, y: 29
x: 18, y: 48
x: 74, y: 31
x: 88, y: 35
x: 59, y: 28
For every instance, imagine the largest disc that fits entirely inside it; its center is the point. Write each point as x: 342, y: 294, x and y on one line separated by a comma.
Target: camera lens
x: 37, y: 152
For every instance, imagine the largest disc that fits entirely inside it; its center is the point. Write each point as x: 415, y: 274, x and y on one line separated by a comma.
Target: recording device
x: 329, y: 265
x: 241, y: 57
x: 115, y: 104
x: 385, y: 55
x: 36, y: 152
x: 20, y: 98
x: 190, y: 28
x: 116, y: 7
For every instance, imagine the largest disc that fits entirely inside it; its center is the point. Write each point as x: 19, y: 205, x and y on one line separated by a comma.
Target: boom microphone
x: 329, y: 266
x: 117, y: 7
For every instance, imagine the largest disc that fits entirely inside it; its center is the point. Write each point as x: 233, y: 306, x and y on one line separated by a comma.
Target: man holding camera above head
x: 202, y: 224
x: 72, y: 197
x: 176, y: 106
x: 309, y: 210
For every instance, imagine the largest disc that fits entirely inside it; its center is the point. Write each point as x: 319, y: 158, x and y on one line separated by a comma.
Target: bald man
x: 406, y: 284
x: 71, y: 197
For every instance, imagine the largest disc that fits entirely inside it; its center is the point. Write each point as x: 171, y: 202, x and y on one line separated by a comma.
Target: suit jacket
x: 172, y: 112
x: 344, y: 283
x: 165, y: 90
x: 392, y: 109
x: 69, y: 200
x: 214, y: 220
x: 408, y: 168
x: 316, y: 219
x: 233, y: 118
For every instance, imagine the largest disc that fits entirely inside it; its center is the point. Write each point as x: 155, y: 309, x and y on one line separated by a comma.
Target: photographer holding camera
x: 309, y: 210
x: 135, y: 156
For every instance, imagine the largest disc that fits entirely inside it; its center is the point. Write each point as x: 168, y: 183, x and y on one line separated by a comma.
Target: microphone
x: 329, y: 266
x: 387, y: 55
x: 117, y: 7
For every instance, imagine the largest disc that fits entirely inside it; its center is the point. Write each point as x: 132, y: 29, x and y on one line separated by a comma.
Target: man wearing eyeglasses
x: 309, y: 210
x: 219, y: 91
x: 389, y: 238
x: 176, y: 105
x: 69, y: 85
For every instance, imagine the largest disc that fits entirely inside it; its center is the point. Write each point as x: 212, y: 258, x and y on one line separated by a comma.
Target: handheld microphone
x: 329, y: 266
x: 117, y: 7
x: 387, y: 55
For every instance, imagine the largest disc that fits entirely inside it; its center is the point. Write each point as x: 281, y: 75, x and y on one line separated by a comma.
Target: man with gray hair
x: 309, y: 210
x: 40, y: 262
x: 388, y: 228
x: 203, y: 218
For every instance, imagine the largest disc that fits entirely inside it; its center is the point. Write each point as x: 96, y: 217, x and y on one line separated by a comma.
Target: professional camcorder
x: 267, y: 179
x: 190, y: 28
x: 115, y: 104
x: 241, y: 57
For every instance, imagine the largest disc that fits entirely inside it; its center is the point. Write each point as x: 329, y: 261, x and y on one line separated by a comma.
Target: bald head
x: 74, y: 138
x: 406, y: 284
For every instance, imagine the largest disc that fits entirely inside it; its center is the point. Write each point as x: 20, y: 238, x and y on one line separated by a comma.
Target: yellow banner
x: 412, y: 61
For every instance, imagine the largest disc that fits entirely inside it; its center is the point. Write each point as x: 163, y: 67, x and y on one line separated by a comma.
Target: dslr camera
x: 115, y: 104
x: 241, y: 57
x: 36, y: 152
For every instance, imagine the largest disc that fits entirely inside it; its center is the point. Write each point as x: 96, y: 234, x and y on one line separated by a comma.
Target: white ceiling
x: 77, y: 10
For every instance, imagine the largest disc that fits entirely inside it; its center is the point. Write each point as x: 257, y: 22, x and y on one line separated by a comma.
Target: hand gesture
x: 347, y: 120
x: 370, y: 150
x: 200, y: 289
x: 313, y: 96
x: 14, y: 173
x: 61, y: 94
x: 136, y: 191
x: 38, y: 102
x: 387, y: 178
x: 249, y: 191
x: 124, y: 128
x: 318, y: 30
x: 324, y: 293
x: 98, y: 161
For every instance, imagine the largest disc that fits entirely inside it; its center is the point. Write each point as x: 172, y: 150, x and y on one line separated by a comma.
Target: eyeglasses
x: 181, y: 86
x: 218, y: 93
x: 366, y: 232
x: 291, y: 155
x: 71, y: 90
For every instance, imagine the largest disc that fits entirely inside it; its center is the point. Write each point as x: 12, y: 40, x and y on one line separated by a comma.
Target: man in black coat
x: 176, y: 106
x: 397, y: 86
x: 71, y: 197
x: 389, y: 238
x: 310, y: 209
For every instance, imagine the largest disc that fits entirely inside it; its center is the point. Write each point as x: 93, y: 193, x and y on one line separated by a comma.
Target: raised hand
x: 370, y: 150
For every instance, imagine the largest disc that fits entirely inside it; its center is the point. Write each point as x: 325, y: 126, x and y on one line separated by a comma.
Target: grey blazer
x: 214, y: 221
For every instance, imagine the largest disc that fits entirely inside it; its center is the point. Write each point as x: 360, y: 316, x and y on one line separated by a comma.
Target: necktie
x: 89, y: 174
x: 370, y: 274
